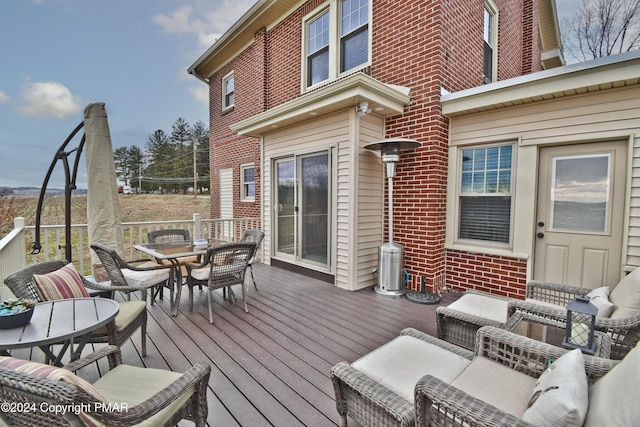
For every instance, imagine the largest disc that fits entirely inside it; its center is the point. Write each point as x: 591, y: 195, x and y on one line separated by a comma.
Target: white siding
x: 226, y: 198
x: 609, y: 115
x: 357, y: 193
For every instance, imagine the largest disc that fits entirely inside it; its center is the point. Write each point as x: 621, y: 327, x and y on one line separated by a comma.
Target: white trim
x: 243, y: 193
x: 493, y: 36
x: 227, y: 77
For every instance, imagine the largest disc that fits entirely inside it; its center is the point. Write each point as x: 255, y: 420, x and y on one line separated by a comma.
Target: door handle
x: 540, y: 235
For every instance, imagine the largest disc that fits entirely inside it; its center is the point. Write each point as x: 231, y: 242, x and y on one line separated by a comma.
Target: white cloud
x: 4, y: 97
x: 200, y: 93
x: 205, y: 25
x: 49, y: 99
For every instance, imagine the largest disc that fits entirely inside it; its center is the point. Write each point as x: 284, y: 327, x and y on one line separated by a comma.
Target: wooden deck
x: 271, y: 366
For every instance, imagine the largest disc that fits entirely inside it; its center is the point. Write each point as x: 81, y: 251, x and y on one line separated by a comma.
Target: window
x: 490, y: 40
x: 247, y: 182
x: 318, y: 50
x: 485, y: 194
x: 336, y: 40
x: 228, y: 90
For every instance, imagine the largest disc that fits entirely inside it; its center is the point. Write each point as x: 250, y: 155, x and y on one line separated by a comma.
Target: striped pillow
x: 57, y: 374
x: 60, y: 284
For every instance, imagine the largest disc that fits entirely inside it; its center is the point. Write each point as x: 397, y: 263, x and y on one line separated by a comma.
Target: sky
x: 58, y: 56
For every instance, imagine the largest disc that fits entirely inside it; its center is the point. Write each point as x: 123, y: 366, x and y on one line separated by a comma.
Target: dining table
x: 67, y: 322
x: 176, y: 254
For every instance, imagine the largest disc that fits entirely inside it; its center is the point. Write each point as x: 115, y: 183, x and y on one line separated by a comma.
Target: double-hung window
x: 247, y: 182
x: 490, y: 40
x: 336, y: 40
x: 228, y: 90
x: 485, y: 194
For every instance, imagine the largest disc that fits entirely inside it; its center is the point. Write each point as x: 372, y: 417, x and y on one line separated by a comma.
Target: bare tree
x: 602, y: 28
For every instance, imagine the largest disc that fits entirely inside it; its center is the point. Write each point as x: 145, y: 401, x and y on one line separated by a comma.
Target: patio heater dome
x: 391, y: 255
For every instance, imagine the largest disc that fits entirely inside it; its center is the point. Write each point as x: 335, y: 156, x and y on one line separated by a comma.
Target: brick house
x: 297, y: 88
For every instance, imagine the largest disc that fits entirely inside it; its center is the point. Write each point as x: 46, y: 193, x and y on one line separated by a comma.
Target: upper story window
x: 228, y: 90
x: 247, y: 182
x: 485, y: 194
x: 490, y: 41
x: 336, y: 39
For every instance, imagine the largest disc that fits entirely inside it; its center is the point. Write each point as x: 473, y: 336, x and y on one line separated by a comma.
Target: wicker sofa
x: 433, y: 382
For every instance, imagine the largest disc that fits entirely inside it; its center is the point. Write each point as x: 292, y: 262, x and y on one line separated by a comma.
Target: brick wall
x: 422, y: 45
x: 488, y: 273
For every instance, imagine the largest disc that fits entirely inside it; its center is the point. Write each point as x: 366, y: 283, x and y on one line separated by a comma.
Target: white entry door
x: 580, y: 214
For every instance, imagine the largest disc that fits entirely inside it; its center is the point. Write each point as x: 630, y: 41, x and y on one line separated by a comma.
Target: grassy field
x: 133, y: 208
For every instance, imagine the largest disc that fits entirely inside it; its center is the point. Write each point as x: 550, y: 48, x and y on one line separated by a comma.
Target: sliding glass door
x: 303, y: 202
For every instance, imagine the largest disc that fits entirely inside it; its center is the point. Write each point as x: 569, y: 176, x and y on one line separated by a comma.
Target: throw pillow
x: 561, y: 394
x: 599, y: 297
x: 60, y: 284
x: 56, y: 374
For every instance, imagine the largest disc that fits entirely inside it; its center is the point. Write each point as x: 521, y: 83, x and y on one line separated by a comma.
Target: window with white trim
x: 228, y: 91
x: 490, y: 41
x: 485, y: 194
x: 336, y: 39
x: 247, y: 182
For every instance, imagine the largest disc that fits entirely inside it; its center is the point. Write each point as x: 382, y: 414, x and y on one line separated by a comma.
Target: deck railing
x: 15, y: 247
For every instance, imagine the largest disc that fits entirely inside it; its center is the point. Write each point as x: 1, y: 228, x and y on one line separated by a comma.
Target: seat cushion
x: 400, y: 363
x: 145, y: 278
x: 627, y: 292
x: 613, y: 399
x: 560, y: 396
x: 133, y: 385
x: 483, y: 306
x: 129, y: 310
x: 497, y: 385
x: 60, y: 284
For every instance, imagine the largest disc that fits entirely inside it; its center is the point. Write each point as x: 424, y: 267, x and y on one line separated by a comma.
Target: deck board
x: 271, y: 366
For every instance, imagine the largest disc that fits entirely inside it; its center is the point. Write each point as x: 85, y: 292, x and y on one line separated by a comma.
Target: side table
x: 553, y: 332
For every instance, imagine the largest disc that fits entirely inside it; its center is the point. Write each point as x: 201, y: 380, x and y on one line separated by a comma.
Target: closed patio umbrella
x: 103, y: 209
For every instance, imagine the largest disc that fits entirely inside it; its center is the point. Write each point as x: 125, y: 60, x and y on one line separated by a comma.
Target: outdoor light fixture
x: 391, y: 256
x: 581, y: 323
x: 363, y: 109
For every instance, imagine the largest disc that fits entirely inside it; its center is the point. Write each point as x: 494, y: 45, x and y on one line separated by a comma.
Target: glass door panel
x: 314, y: 208
x: 286, y: 221
x: 580, y: 193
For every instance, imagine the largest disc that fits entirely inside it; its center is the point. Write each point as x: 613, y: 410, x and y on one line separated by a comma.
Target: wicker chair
x: 254, y: 236
x: 623, y: 325
x: 438, y: 403
x: 157, y: 397
x: 222, y: 267
x: 146, y: 274
x: 22, y: 285
x: 171, y: 235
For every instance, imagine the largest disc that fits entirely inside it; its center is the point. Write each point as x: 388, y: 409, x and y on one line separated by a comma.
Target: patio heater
x: 391, y: 254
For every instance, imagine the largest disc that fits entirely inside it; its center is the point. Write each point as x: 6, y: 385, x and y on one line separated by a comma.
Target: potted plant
x: 16, y: 312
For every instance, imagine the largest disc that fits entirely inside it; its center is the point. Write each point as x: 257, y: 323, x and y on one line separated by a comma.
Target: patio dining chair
x: 132, y: 314
x: 142, y: 273
x: 171, y: 235
x: 254, y: 236
x: 222, y: 267
x: 124, y: 396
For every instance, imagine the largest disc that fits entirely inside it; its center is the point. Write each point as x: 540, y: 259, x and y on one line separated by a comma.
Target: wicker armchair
x: 623, y: 325
x: 222, y: 267
x: 168, y: 235
x: 157, y: 397
x: 253, y: 236
x: 132, y: 314
x: 438, y: 403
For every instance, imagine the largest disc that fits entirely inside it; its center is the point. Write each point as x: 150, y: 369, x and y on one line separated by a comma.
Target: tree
x: 128, y: 162
x: 602, y: 28
x: 200, y: 136
x: 161, y: 154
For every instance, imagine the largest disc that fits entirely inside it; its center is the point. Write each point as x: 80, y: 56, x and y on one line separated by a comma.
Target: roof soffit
x: 263, y: 14
x: 384, y: 100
